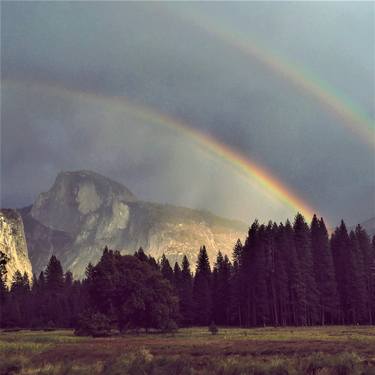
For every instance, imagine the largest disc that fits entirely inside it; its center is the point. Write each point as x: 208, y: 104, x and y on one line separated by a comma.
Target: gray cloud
x: 151, y: 54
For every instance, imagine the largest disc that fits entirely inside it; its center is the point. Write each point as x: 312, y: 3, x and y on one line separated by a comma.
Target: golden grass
x: 60, y: 352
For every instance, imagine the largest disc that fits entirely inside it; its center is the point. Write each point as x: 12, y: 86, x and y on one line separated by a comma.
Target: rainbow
x: 352, y: 117
x: 243, y: 165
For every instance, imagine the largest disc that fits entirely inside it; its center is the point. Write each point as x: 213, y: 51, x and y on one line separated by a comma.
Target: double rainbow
x: 352, y: 117
x: 243, y: 165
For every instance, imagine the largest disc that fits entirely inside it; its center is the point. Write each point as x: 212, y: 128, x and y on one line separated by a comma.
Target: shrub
x: 213, y: 329
x: 51, y: 326
x: 95, y: 325
x: 171, y: 327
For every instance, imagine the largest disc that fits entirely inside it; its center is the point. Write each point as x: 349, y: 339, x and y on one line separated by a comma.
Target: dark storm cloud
x: 152, y: 55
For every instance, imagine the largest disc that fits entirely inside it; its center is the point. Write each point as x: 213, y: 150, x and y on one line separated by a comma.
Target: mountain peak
x: 76, y: 194
x: 88, y: 175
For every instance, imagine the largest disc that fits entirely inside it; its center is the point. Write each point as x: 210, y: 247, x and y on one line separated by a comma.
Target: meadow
x: 337, y: 350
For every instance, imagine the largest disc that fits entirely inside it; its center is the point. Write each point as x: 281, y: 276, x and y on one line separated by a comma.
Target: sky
x: 249, y: 110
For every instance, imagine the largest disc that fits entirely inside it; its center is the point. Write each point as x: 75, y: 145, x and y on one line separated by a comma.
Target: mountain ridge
x: 84, y: 211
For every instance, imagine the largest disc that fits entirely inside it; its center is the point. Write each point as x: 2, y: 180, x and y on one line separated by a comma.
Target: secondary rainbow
x: 351, y: 116
x: 242, y: 164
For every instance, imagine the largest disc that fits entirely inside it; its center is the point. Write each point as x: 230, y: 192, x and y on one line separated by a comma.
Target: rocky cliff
x: 13, y: 244
x: 84, y: 211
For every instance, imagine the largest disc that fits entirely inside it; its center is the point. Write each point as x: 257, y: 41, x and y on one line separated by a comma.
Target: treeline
x: 283, y: 274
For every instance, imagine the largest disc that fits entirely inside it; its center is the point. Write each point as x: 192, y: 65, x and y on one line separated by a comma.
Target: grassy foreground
x: 323, y: 351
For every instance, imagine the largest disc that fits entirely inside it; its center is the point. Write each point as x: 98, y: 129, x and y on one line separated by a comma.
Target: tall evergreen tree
x: 19, y: 298
x: 186, y: 293
x: 202, y: 289
x: 254, y: 271
x: 279, y: 277
x: 368, y: 254
x: 166, y: 269
x: 237, y: 286
x: 140, y: 254
x: 54, y: 276
x: 361, y: 297
x: 296, y: 286
x: 324, y: 272
x: 221, y: 290
x: 310, y: 291
x: 177, y: 276
x: 347, y: 276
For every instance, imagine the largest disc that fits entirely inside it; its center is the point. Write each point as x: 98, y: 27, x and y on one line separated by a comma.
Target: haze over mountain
x: 83, y: 212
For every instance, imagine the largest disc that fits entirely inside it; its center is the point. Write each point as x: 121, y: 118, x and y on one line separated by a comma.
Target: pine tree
x: 324, y: 272
x: 221, y: 290
x: 361, y: 296
x: 54, y: 276
x: 296, y: 287
x: 54, y: 302
x: 368, y: 256
x: 310, y: 291
x: 202, y: 289
x: 140, y: 254
x: 277, y: 278
x: 166, y: 269
x: 255, y: 276
x: 20, y: 284
x: 177, y: 276
x: 237, y: 286
x: 348, y: 279
x: 68, y: 280
x: 280, y: 276
x: 186, y: 293
x: 19, y: 296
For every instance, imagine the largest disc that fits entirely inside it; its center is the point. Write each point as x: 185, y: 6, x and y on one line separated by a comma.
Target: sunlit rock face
x: 83, y: 212
x: 13, y: 244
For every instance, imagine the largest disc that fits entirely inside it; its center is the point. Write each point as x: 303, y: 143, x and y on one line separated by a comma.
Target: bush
x: 213, y: 329
x: 51, y: 326
x: 95, y: 325
x: 170, y: 327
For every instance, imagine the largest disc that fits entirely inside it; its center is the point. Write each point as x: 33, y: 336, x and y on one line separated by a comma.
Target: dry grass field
x: 318, y: 350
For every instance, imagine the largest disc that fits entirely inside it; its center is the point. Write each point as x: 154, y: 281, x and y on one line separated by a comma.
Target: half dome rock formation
x: 83, y: 212
x: 76, y: 196
x: 13, y: 244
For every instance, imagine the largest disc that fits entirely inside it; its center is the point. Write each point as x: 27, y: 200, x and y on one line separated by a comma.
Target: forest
x: 291, y: 274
